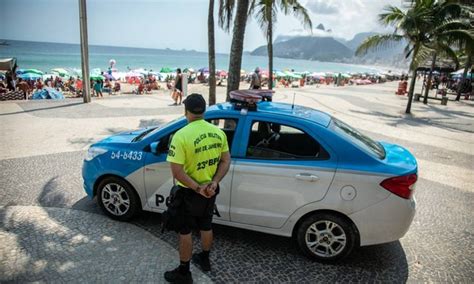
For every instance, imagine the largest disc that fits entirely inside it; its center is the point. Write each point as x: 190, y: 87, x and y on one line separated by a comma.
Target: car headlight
x: 94, y: 152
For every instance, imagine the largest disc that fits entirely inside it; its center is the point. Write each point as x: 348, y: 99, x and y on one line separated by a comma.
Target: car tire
x: 326, y: 237
x: 118, y: 199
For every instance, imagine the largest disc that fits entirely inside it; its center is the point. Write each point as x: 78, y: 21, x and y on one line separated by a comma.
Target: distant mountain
x: 358, y: 39
x: 327, y: 48
x: 308, y: 47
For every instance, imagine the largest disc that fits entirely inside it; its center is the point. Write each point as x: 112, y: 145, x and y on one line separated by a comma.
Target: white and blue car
x: 295, y: 172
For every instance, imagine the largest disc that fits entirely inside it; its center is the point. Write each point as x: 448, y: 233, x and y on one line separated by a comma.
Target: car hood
x: 400, y: 159
x: 123, y: 137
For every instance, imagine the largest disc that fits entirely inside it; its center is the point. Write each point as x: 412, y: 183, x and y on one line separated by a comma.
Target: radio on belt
x: 248, y: 99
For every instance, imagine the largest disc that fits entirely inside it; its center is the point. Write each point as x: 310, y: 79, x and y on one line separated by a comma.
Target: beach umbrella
x: 279, y: 74
x: 242, y: 72
x: 96, y: 77
x: 30, y: 76
x: 222, y: 73
x: 34, y: 71
x: 204, y: 70
x: 190, y: 70
x: 347, y: 76
x: 166, y: 70
x: 292, y: 75
x: 60, y: 71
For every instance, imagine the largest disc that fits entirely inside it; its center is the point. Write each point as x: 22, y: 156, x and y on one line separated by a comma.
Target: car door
x: 283, y: 166
x: 158, y: 178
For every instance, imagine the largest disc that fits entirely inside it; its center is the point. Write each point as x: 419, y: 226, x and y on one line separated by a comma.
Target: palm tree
x: 212, y: 54
x: 226, y: 9
x: 411, y: 25
x: 448, y: 31
x: 265, y: 12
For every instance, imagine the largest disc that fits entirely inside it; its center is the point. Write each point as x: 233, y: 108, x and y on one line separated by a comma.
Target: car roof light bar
x: 248, y: 99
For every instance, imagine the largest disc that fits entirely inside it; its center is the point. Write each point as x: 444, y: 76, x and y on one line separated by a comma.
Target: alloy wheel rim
x: 325, y: 238
x: 115, y: 199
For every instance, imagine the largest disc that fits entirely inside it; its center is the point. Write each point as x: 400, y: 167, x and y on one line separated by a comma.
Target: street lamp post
x: 86, y: 88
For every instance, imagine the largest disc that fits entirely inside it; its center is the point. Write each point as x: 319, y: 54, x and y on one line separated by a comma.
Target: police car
x: 295, y: 172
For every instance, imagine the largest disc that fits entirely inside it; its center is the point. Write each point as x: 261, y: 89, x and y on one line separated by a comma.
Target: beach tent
x: 60, y: 71
x: 30, y: 76
x: 166, y: 70
x: 7, y: 64
x: 458, y: 74
x: 132, y: 74
x: 47, y: 93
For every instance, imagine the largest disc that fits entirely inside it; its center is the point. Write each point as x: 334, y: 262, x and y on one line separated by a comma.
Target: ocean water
x: 46, y: 56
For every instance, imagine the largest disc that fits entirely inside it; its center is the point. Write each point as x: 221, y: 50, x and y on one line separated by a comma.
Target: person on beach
x: 178, y: 88
x: 198, y: 183
x: 98, y: 88
x: 256, y: 80
x: 39, y: 84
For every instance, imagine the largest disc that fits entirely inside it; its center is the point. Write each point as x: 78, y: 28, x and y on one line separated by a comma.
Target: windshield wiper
x: 143, y: 134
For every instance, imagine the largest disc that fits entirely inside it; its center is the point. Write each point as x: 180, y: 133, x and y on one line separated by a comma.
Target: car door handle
x: 307, y: 177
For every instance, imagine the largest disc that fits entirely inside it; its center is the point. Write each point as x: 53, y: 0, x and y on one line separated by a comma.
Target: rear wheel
x: 117, y: 199
x: 326, y: 237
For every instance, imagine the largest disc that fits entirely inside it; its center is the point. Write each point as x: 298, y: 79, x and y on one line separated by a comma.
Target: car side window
x: 228, y: 125
x: 274, y: 141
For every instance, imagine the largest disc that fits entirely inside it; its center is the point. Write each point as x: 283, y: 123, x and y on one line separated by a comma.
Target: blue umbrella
x: 30, y: 76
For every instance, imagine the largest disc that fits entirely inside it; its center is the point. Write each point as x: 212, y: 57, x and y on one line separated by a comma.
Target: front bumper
x: 89, y: 172
x: 385, y: 221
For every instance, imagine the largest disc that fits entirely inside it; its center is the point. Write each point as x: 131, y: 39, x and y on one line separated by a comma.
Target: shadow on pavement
x: 240, y: 255
x: 441, y: 122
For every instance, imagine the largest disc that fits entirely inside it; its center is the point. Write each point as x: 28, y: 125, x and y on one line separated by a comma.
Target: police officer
x: 199, y: 159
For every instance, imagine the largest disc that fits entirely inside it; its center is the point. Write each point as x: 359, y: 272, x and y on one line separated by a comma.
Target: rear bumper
x: 385, y: 221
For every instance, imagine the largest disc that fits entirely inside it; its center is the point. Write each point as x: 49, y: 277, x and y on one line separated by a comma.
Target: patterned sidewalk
x: 72, y: 246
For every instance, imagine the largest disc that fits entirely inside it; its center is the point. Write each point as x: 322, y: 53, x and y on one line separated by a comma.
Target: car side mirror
x: 154, y: 147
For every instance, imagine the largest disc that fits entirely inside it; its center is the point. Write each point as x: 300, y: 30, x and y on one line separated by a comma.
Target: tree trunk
x: 270, y: 48
x: 413, y: 78
x: 237, y: 46
x: 428, y: 81
x: 410, y: 91
x: 212, y: 54
x: 463, y: 78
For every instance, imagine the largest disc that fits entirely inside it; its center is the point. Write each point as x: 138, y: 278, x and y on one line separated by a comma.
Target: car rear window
x: 358, y: 138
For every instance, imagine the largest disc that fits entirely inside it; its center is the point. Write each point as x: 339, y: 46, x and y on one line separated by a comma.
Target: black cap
x: 195, y: 104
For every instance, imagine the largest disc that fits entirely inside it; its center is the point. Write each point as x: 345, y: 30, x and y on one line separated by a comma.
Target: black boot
x: 202, y: 259
x: 179, y: 276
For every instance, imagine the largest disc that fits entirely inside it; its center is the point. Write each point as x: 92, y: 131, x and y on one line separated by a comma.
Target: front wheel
x: 326, y: 237
x: 117, y: 199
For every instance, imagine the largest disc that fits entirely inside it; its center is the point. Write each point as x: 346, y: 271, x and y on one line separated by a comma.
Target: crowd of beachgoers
x: 69, y: 83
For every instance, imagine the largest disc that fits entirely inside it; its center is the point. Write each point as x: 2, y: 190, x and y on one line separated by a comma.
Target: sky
x: 175, y: 24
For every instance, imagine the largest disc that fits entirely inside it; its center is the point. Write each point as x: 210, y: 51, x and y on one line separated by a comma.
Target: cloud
x: 322, y: 7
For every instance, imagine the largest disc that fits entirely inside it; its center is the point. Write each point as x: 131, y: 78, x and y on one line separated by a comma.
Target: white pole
x: 86, y: 94
x: 184, y: 78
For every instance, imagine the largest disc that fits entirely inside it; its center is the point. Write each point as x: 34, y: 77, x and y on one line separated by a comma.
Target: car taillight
x: 402, y: 186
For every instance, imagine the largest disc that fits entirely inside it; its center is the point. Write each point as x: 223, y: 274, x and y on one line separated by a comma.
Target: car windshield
x: 358, y: 138
x: 147, y: 133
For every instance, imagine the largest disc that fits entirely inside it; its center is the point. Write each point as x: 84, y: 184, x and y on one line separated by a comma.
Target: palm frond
x: 226, y: 13
x: 376, y: 42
